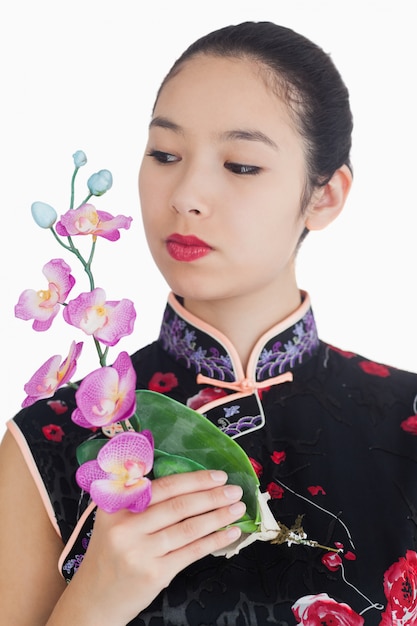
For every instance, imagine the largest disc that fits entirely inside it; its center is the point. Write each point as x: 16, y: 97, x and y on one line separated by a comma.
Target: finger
x: 177, y: 484
x: 179, y: 508
x: 186, y: 506
x: 173, y: 500
x: 194, y: 528
x: 178, y: 560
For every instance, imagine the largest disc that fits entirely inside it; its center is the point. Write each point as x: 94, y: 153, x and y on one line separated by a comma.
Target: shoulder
x: 375, y: 386
x: 364, y: 367
x: 49, y: 419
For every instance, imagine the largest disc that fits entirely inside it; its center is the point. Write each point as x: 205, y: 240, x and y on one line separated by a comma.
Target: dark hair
x: 304, y: 75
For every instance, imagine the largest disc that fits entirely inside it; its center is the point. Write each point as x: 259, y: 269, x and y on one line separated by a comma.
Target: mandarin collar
x: 206, y: 351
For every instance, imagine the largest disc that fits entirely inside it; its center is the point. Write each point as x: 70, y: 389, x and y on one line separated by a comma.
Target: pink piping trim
x: 74, y: 536
x: 246, y: 386
x: 33, y: 469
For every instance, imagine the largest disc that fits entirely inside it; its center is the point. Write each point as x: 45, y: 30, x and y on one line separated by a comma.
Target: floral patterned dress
x: 334, y: 442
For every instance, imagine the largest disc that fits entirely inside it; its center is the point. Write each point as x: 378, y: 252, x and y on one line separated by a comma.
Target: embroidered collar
x: 212, y: 356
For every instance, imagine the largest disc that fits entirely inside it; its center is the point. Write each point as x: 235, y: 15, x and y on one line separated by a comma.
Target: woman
x: 248, y: 151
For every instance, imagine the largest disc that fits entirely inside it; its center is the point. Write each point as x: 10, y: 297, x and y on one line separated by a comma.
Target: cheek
x: 144, y: 184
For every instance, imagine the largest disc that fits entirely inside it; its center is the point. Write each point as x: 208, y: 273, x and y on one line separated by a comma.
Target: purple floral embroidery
x: 280, y: 357
x: 180, y: 340
x: 244, y: 424
x: 229, y: 411
x: 71, y: 566
x: 241, y: 425
x: 187, y: 343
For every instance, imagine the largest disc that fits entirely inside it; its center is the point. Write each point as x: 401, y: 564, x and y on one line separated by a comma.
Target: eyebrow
x: 164, y: 122
x: 248, y: 135
x: 238, y: 134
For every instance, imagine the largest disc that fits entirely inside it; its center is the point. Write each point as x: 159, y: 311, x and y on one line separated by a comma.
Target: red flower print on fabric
x: 400, y: 587
x: 52, y: 432
x: 278, y: 456
x: 410, y: 425
x: 58, y: 406
x: 162, y: 382
x: 256, y: 466
x: 332, y: 561
x: 345, y: 353
x: 321, y: 610
x: 275, y: 491
x: 316, y: 490
x: 374, y: 369
x: 206, y: 395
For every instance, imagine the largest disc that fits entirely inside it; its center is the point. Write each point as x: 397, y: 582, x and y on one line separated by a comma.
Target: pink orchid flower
x: 43, y: 305
x: 52, y: 375
x: 107, y: 321
x: 106, y: 395
x: 116, y: 479
x: 86, y: 220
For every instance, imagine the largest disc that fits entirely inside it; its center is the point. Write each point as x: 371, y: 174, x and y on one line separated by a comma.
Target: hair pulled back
x: 303, y: 75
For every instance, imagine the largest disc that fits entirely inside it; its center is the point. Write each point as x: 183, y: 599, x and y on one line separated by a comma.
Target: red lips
x: 186, y: 247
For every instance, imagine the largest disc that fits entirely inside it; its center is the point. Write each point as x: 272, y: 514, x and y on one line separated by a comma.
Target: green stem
x: 86, y: 199
x: 73, y: 186
x: 72, y: 385
x: 71, y: 247
x: 61, y: 243
x: 102, y: 354
x: 87, y: 266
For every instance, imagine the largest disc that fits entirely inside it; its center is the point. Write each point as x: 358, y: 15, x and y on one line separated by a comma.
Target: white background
x: 83, y: 75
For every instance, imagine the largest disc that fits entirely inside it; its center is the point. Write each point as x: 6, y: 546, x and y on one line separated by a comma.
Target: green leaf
x: 247, y: 526
x: 178, y: 430
x: 166, y: 464
x: 88, y: 450
x: 134, y: 422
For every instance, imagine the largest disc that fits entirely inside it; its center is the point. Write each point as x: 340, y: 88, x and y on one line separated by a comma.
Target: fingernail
x: 238, y: 508
x: 234, y: 533
x: 233, y: 492
x: 218, y: 476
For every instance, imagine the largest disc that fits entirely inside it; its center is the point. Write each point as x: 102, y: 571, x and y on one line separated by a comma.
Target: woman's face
x: 221, y: 184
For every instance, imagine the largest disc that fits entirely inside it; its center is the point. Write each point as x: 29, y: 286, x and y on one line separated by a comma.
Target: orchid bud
x: 80, y: 158
x: 43, y: 214
x: 100, y: 182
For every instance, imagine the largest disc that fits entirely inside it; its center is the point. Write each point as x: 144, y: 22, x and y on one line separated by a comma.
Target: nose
x: 191, y: 194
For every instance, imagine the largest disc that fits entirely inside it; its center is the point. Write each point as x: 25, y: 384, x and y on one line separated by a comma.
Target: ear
x: 328, y: 201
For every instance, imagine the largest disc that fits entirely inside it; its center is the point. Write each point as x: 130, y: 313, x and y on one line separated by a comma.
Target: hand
x: 133, y: 556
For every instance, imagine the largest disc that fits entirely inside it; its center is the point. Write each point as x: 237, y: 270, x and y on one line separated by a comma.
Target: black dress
x: 336, y: 444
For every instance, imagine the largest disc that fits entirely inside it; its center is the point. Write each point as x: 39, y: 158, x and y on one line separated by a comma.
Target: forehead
x: 222, y: 93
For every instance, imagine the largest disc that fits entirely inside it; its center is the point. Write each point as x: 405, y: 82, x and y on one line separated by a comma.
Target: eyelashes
x: 240, y: 169
x: 162, y: 157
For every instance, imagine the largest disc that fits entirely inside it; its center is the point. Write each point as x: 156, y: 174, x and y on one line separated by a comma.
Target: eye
x: 162, y: 157
x: 242, y: 169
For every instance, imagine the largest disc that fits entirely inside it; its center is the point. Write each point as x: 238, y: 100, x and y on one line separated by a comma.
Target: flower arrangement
x: 155, y: 435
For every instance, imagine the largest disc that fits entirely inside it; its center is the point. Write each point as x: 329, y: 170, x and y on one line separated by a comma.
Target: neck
x: 244, y: 320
